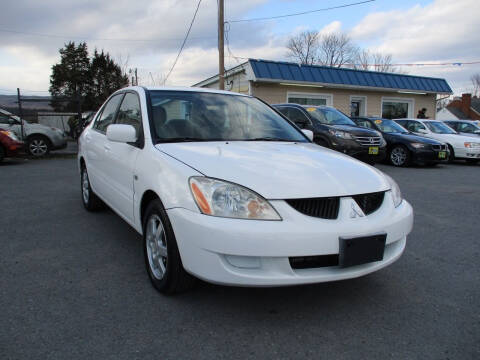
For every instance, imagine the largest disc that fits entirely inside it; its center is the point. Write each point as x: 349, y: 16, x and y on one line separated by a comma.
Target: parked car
x: 464, y: 127
x: 10, y: 145
x: 460, y: 146
x: 225, y: 189
x: 39, y: 139
x: 334, y: 130
x: 404, y: 148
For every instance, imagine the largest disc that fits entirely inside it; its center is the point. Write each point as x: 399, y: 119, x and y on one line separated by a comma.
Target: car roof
x: 460, y: 121
x: 421, y: 120
x: 185, y: 88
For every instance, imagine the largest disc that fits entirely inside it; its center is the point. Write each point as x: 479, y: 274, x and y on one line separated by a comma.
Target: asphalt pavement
x: 73, y: 285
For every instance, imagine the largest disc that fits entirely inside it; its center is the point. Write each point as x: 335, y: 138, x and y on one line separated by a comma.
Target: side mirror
x: 308, y: 134
x: 121, y: 133
x: 300, y: 123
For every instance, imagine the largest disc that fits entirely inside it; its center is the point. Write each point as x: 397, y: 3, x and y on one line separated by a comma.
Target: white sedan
x: 222, y: 187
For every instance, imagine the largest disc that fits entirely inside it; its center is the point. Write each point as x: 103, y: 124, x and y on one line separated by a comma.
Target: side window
x: 364, y: 123
x: 4, y: 119
x: 403, y: 123
x: 464, y: 127
x: 129, y: 112
x: 298, y: 117
x: 283, y: 110
x: 108, y: 114
x: 414, y: 126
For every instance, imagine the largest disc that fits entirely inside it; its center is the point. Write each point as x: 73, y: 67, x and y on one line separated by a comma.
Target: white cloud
x: 442, y: 31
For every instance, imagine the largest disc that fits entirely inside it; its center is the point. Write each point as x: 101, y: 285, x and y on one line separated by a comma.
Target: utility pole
x: 221, y: 65
x: 136, y: 77
x: 20, y: 112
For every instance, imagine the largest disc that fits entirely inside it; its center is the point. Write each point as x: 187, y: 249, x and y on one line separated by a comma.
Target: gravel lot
x: 73, y: 285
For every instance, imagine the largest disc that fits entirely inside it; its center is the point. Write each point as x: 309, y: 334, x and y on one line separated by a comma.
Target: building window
x: 309, y: 99
x: 358, y: 106
x: 397, y: 108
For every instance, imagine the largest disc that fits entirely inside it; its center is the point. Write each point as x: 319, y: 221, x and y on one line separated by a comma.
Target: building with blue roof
x: 355, y: 92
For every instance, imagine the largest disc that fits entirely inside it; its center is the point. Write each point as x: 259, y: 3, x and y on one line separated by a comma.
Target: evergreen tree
x: 78, y: 76
x: 106, y: 77
x: 70, y: 78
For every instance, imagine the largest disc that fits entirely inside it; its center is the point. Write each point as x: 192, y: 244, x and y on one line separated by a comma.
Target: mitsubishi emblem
x: 356, y: 211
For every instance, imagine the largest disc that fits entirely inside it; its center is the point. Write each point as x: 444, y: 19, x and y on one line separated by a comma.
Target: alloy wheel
x: 38, y: 147
x: 398, y: 156
x: 156, y: 242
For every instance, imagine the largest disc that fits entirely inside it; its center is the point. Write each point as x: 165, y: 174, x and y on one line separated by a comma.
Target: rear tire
x: 399, y: 156
x: 162, y: 258
x: 38, y: 145
x: 90, y: 200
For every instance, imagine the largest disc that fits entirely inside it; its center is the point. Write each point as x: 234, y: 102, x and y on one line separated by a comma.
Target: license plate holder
x: 373, y: 150
x: 442, y: 154
x: 361, y: 250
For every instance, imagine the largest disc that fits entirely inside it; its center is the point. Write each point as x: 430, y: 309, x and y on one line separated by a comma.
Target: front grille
x: 439, y: 147
x: 368, y: 140
x: 325, y: 208
x: 369, y: 202
x: 306, y: 262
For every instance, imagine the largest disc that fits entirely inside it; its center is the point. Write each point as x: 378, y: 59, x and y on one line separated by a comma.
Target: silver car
x: 39, y: 139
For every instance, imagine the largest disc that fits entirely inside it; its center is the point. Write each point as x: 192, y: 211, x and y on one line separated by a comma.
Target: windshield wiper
x: 183, y: 139
x: 269, y: 139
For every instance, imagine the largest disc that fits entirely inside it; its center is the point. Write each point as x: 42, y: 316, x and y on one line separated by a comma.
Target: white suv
x: 225, y: 189
x: 461, y: 147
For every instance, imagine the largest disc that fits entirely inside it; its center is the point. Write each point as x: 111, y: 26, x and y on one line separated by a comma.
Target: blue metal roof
x: 285, y: 71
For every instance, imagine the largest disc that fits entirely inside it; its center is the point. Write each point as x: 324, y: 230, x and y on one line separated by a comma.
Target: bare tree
x: 337, y: 50
x: 375, y: 61
x: 363, y: 60
x: 475, y: 78
x: 303, y: 47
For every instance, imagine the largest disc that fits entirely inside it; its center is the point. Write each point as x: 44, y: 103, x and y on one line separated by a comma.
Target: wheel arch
x: 147, y: 197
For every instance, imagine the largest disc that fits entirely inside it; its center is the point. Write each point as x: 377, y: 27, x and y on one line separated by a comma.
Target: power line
x: 301, y: 13
x: 96, y: 39
x: 184, y: 41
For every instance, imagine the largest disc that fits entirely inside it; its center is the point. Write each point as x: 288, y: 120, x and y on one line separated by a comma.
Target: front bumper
x: 256, y: 253
x: 358, y: 151
x: 428, y: 156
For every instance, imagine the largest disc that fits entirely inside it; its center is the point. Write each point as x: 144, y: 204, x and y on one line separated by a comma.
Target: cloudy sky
x: 149, y: 33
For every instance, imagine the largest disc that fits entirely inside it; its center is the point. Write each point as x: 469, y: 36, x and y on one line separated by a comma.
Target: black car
x: 333, y: 129
x: 403, y: 147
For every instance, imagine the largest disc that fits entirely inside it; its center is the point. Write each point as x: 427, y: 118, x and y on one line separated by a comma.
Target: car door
x: 121, y: 158
x: 95, y: 143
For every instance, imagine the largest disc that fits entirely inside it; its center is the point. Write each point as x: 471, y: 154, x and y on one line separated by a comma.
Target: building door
x: 358, y: 105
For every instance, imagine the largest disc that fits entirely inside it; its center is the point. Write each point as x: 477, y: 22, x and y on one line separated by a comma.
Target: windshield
x: 197, y: 116
x: 389, y: 126
x: 329, y: 116
x: 439, y: 127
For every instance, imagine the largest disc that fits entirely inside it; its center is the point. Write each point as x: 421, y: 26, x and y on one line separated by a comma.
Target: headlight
x: 396, y: 193
x: 471, y: 145
x: 418, y: 145
x: 341, y: 134
x: 224, y: 199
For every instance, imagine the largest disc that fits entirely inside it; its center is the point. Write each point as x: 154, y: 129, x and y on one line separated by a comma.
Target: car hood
x: 356, y: 130
x: 280, y: 170
x: 413, y: 138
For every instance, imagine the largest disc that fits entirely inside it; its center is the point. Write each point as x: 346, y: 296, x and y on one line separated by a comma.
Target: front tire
x: 90, y: 200
x: 400, y: 156
x: 451, y: 157
x: 38, y: 145
x: 162, y: 258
